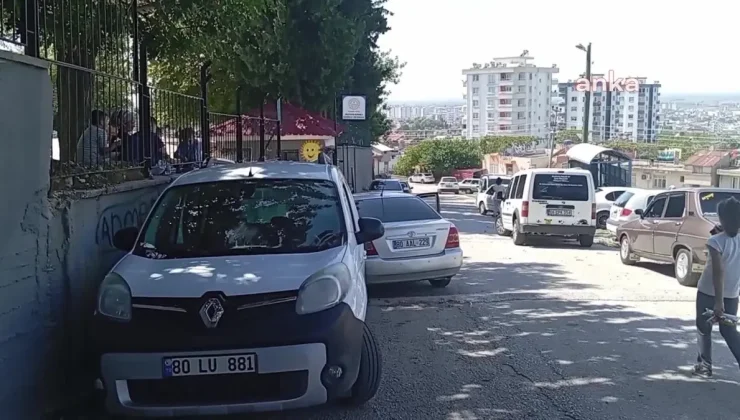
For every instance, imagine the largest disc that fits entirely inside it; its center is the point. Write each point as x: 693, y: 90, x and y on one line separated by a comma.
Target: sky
x: 689, y: 47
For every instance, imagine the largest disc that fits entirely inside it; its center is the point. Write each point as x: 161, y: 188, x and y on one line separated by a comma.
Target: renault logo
x: 211, y: 312
x: 412, y: 234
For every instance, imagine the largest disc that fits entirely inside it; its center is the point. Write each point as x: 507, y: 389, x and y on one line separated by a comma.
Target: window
x: 655, y: 210
x: 623, y: 198
x: 631, y: 108
x: 504, y: 127
x: 504, y: 114
x: 476, y: 77
x: 631, y: 116
x: 520, y: 115
x: 504, y: 88
x: 522, y: 89
x: 612, y: 196
x: 490, y: 115
x: 522, y: 76
x: 490, y: 103
x: 505, y: 76
x: 676, y: 206
x: 491, y: 78
x: 573, y: 98
x: 564, y: 187
x: 491, y: 89
x: 476, y: 103
x: 710, y: 200
x: 520, y: 102
x: 475, y: 115
x: 291, y: 155
x: 387, y: 185
x: 475, y: 91
x: 245, y: 217
x: 659, y: 181
x: 520, y: 187
x: 632, y: 99
x: 630, y: 125
x: 397, y: 209
x: 574, y: 118
x: 574, y: 108
x: 504, y: 101
x: 513, y: 185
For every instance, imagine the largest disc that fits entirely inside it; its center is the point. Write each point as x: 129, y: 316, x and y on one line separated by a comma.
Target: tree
x: 423, y: 124
x: 570, y: 134
x: 499, y: 144
x: 440, y: 156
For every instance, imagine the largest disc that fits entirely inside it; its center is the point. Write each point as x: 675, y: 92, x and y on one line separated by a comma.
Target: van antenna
x: 382, y: 188
x: 250, y: 174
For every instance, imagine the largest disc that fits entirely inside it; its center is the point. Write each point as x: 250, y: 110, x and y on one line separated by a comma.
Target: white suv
x: 244, y: 291
x: 425, y: 178
x: 469, y: 185
x: 448, y: 184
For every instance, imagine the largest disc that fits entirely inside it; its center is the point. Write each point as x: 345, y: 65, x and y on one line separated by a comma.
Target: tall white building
x: 507, y: 96
x: 614, y: 114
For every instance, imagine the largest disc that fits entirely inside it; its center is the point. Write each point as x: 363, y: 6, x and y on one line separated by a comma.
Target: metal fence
x: 105, y: 117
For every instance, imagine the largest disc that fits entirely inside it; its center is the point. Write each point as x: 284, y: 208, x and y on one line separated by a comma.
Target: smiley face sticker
x: 310, y: 150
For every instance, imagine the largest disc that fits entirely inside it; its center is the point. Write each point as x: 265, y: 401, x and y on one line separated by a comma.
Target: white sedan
x: 448, y: 184
x: 418, y: 243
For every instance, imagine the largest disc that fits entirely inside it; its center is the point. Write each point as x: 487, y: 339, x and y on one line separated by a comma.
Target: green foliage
x: 440, y: 156
x: 570, y: 134
x: 422, y: 123
x: 687, y: 144
x: 498, y: 144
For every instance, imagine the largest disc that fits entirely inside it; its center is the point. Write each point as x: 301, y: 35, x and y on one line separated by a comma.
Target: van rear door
x: 561, y: 199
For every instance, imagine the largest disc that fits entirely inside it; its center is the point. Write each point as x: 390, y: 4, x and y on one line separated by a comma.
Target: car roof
x: 554, y: 171
x: 372, y: 195
x: 703, y: 189
x: 269, y: 170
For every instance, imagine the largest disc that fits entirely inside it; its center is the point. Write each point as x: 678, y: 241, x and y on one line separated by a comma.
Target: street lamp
x: 587, y: 109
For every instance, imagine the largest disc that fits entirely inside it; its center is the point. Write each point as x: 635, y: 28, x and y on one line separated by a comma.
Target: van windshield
x: 260, y: 216
x: 566, y: 187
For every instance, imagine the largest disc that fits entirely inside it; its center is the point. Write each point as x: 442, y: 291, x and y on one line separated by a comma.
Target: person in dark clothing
x: 147, y: 147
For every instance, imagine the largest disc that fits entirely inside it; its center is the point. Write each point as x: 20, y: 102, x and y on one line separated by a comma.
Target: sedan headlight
x: 324, y: 289
x: 114, y: 298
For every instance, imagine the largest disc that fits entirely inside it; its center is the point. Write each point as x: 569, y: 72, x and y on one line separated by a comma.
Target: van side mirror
x: 370, y: 230
x: 125, y: 239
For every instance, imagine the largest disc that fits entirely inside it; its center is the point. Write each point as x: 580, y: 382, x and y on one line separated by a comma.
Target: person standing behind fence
x: 122, y: 124
x: 93, y: 142
x: 188, y: 148
x: 147, y: 148
x: 719, y: 286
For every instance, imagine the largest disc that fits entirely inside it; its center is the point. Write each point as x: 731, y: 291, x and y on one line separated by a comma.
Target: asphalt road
x: 550, y: 331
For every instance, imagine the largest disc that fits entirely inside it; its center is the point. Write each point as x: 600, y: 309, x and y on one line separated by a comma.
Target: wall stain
x: 119, y: 216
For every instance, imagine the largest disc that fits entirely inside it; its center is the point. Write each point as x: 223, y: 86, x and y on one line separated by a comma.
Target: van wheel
x: 500, y: 230
x: 682, y: 268
x: 518, y: 237
x: 625, y: 251
x: 586, y: 241
x: 440, y: 283
x: 371, y: 369
x: 482, y: 209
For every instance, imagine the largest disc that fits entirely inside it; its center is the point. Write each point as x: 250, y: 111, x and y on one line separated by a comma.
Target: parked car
x: 448, y: 184
x: 418, y: 244
x: 406, y: 187
x: 469, y: 185
x: 624, y: 208
x: 484, y: 199
x: 674, y: 228
x: 244, y: 291
x: 557, y: 202
x: 386, y: 185
x: 424, y: 178
x: 605, y: 197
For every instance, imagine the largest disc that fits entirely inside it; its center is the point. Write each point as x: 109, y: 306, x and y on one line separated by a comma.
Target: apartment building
x: 507, y: 96
x: 615, y: 114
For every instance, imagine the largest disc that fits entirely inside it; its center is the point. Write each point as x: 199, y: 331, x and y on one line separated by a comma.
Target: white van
x: 557, y: 202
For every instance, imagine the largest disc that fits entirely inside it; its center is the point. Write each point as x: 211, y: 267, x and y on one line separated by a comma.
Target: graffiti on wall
x: 118, y: 216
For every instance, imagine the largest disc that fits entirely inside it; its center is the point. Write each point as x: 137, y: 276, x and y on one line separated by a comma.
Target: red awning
x: 296, y: 121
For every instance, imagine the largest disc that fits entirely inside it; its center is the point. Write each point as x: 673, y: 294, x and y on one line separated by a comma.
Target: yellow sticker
x: 310, y: 150
x: 548, y: 221
x: 706, y: 197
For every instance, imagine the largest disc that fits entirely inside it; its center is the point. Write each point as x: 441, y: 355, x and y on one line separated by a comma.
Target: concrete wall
x: 55, y: 250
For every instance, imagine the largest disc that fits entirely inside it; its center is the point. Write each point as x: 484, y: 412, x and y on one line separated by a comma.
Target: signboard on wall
x: 354, y: 108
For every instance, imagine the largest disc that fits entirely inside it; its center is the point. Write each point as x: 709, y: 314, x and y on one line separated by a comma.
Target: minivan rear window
x: 397, y: 209
x: 566, y: 187
x: 622, y: 200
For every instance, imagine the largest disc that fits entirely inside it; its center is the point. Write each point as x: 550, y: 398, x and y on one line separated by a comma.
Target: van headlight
x: 114, y: 298
x: 324, y: 289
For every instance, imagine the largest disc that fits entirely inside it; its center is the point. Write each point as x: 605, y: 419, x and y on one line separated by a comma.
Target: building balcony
x: 507, y: 107
x: 505, y: 95
x: 509, y: 82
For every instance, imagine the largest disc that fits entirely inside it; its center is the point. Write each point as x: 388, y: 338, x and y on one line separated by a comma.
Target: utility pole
x: 587, y: 108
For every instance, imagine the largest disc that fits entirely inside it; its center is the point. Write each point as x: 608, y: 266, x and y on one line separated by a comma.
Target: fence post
x: 31, y: 34
x: 239, y: 133
x: 144, y: 104
x: 279, y: 116
x: 205, y: 125
x: 262, y: 131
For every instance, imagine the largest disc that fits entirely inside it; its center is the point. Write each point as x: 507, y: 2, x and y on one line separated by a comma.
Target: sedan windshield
x: 397, y: 209
x: 448, y: 179
x: 386, y: 186
x: 260, y: 216
x: 709, y: 200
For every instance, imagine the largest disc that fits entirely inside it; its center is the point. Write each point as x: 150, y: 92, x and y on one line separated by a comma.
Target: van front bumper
x: 559, y: 230
x: 293, y: 364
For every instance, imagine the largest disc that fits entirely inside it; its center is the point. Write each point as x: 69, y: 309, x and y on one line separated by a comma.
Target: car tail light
x: 370, y: 249
x: 525, y: 208
x: 626, y: 212
x: 593, y: 211
x: 453, y: 238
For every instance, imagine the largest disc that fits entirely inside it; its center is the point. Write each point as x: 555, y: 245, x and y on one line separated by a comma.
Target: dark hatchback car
x: 674, y: 228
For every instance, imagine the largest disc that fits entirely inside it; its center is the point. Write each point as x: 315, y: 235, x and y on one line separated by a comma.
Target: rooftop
x: 707, y: 158
x: 251, y: 170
